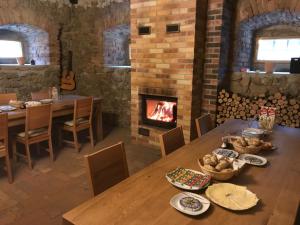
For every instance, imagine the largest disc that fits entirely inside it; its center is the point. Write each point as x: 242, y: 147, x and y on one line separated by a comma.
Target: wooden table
x: 144, y: 197
x: 62, y: 107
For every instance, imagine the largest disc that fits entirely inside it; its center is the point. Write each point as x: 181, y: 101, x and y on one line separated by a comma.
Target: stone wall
x: 245, y: 44
x: 81, y: 31
x: 219, y: 59
x: 116, y: 46
x: 44, y: 16
x: 35, y: 41
x: 255, y: 84
x: 26, y: 79
x: 113, y: 84
x: 92, y: 77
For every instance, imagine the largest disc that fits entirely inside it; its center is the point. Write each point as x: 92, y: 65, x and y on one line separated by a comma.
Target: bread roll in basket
x: 245, y: 145
x: 233, y: 168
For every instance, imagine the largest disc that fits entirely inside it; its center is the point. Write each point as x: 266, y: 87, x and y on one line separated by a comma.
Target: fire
x: 163, y: 111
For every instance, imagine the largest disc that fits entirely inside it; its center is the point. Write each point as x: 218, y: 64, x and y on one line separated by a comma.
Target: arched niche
x: 35, y: 41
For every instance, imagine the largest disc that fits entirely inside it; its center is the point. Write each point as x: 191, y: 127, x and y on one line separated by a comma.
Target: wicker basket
x: 222, y: 176
x: 246, y: 150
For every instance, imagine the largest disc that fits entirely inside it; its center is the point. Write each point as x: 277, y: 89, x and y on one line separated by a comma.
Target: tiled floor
x: 41, y: 196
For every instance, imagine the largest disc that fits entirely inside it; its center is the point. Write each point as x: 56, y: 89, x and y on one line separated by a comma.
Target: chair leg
x: 91, y: 136
x: 76, y: 140
x: 51, y: 149
x: 28, y: 156
x: 14, y: 148
x: 60, y: 137
x: 9, y: 170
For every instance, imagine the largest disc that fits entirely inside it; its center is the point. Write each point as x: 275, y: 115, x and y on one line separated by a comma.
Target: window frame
x: 22, y: 48
x: 256, y: 61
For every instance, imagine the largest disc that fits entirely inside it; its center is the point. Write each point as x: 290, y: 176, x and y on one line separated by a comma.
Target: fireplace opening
x: 160, y: 111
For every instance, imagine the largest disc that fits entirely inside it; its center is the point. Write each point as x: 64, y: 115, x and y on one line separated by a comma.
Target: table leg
x: 98, y: 122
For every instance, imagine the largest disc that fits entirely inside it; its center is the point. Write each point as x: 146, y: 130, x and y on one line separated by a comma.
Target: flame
x: 163, y: 111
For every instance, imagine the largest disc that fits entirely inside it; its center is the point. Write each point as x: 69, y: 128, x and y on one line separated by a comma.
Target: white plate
x: 226, y: 152
x: 184, y: 186
x: 254, y: 131
x: 175, y: 202
x: 46, y: 101
x: 231, y: 196
x: 7, y: 108
x: 253, y: 159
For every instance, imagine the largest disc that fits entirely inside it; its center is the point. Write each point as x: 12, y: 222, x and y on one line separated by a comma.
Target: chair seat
x: 34, y: 133
x: 79, y: 121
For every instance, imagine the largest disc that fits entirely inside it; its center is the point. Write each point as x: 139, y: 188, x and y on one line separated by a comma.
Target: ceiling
x: 86, y: 3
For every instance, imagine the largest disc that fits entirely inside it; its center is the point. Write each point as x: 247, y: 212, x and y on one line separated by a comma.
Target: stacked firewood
x: 233, y: 106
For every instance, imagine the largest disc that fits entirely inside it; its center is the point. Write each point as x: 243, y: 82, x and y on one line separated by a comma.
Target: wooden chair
x: 82, y: 120
x: 38, y: 126
x: 4, y: 145
x: 43, y: 94
x: 107, y: 167
x: 171, y: 140
x: 204, y: 124
x: 4, y: 98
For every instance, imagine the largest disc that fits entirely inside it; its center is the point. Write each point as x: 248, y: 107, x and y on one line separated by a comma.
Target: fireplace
x: 159, y: 111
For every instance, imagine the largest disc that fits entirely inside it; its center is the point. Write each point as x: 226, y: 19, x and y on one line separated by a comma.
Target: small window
x: 10, y: 49
x: 278, y: 49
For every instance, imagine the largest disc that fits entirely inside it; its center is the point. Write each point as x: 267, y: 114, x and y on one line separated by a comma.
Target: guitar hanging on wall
x: 67, y: 79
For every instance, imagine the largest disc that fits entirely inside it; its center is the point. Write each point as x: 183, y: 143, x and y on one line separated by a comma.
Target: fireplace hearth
x: 159, y: 111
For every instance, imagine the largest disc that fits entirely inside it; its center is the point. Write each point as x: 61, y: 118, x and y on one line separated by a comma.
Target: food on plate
x: 188, y: 177
x: 190, y: 203
x: 231, y: 196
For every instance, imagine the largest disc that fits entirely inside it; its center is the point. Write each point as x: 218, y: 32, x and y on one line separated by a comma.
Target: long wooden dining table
x: 62, y: 107
x: 144, y: 197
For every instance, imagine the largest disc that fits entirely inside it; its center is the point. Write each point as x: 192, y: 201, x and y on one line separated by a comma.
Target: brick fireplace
x: 166, y: 64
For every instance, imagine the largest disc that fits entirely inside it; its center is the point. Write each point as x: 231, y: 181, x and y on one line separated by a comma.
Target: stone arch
x: 25, y: 18
x: 247, y: 29
x: 35, y: 42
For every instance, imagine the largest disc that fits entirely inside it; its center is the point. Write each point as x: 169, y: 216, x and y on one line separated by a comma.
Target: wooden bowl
x: 222, y: 176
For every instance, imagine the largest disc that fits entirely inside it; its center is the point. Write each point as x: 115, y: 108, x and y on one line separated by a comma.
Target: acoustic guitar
x: 67, y: 79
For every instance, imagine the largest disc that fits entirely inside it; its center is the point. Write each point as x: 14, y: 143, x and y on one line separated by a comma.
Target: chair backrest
x: 38, y: 117
x: 43, y: 94
x: 171, y: 140
x: 107, y: 167
x: 4, y: 98
x: 4, y: 129
x: 204, y: 124
x: 83, y: 108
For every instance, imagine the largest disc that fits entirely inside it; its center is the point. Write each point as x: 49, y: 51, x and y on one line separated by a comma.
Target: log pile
x: 233, y: 106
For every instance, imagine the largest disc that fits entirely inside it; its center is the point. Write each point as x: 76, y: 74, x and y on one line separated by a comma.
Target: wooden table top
x: 66, y: 102
x: 144, y: 197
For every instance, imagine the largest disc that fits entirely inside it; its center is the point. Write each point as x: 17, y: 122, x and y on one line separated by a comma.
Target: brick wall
x: 212, y: 55
x: 163, y: 64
